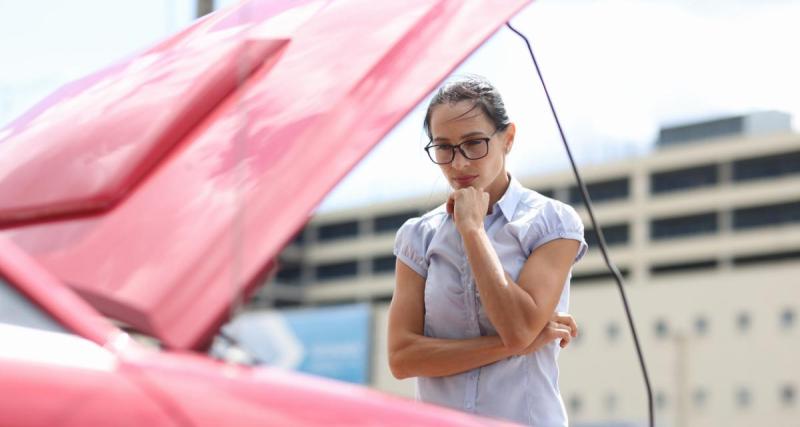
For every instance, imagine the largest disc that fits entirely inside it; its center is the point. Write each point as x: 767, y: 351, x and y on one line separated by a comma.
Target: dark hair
x: 470, y: 88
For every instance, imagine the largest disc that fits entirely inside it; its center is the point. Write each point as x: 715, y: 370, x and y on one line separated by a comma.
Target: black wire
x: 597, y: 230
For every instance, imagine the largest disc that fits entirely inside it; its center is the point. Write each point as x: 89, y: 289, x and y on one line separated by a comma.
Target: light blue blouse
x: 523, y: 389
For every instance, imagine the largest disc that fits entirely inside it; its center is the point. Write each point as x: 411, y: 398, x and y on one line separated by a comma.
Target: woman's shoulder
x: 534, y: 205
x: 426, y: 223
x: 540, y: 219
x: 415, y: 236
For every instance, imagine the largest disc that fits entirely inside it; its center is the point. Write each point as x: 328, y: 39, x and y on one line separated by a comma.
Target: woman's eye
x: 473, y: 143
x: 443, y: 147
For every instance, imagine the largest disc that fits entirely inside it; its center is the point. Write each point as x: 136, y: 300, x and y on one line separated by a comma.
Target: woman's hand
x: 561, y: 326
x: 468, y: 206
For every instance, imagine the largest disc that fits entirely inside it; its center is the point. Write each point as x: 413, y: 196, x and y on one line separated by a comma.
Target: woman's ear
x: 510, y: 131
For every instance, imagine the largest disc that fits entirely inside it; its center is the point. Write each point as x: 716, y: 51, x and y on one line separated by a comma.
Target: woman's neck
x: 498, y: 188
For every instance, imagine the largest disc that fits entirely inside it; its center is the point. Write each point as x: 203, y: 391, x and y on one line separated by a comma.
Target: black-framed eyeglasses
x: 472, y: 149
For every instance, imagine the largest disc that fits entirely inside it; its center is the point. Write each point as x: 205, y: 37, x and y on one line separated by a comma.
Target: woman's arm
x: 518, y: 313
x: 411, y: 354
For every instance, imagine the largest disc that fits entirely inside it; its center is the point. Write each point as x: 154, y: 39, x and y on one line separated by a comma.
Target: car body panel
x: 102, y: 134
x: 176, y: 176
x: 199, y: 231
x: 66, y: 380
x: 60, y: 302
x: 62, y: 378
x: 273, y: 396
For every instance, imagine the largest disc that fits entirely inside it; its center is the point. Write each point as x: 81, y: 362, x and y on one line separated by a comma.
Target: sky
x: 617, y: 70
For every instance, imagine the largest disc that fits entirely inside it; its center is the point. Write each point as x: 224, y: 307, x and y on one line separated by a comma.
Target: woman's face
x: 453, y: 124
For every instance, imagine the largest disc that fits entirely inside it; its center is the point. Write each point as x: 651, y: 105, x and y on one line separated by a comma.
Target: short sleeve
x: 555, y: 220
x: 410, y: 246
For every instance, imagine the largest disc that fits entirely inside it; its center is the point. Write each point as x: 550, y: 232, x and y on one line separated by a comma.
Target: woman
x: 480, y: 279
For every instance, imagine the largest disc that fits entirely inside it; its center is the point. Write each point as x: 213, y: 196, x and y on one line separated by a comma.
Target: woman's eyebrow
x: 465, y: 136
x: 471, y: 134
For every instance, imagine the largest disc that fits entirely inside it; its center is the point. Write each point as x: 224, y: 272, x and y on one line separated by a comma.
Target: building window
x: 383, y: 264
x: 743, y: 397
x: 602, y: 191
x: 787, y: 318
x: 612, y: 331
x: 701, y: 325
x: 700, y: 398
x: 575, y: 404
x: 743, y: 321
x: 787, y: 395
x: 299, y: 238
x: 547, y: 193
x: 708, y: 129
x: 768, y: 215
x: 614, y: 234
x: 767, y: 167
x: 382, y: 299
x: 743, y: 260
x: 337, y: 270
x: 661, y: 399
x: 289, y: 274
x: 683, y: 267
x: 285, y: 303
x: 339, y: 230
x: 684, y: 179
x: 600, y: 275
x: 666, y: 228
x: 661, y: 328
x: 610, y: 402
x: 391, y: 223
x: 337, y: 302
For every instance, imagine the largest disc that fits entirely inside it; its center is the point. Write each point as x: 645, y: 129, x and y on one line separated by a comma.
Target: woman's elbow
x: 516, y: 341
x: 398, y: 366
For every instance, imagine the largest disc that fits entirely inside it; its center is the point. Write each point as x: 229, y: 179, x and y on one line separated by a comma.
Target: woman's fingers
x: 561, y: 333
x: 553, y: 331
x: 566, y: 320
x: 468, y: 207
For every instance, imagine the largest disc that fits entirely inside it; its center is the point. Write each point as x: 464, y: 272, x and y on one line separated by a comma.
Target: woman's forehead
x: 448, y: 117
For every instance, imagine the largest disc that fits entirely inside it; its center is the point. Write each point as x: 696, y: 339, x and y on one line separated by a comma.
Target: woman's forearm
x: 422, y: 356
x: 512, y: 311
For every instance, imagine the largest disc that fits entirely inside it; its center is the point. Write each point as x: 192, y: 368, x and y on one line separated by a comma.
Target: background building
x: 706, y: 231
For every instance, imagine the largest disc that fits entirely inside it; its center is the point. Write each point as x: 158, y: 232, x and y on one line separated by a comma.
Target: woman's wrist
x: 503, y: 350
x: 470, y: 229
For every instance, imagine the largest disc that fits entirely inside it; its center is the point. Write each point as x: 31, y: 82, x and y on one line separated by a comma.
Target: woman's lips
x: 465, y: 180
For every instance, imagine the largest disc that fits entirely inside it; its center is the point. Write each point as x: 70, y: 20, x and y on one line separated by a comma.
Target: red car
x: 158, y: 193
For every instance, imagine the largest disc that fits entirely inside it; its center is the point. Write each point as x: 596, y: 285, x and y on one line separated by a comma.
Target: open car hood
x: 163, y: 187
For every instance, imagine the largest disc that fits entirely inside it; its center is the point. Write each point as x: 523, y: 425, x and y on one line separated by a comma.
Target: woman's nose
x: 459, y: 161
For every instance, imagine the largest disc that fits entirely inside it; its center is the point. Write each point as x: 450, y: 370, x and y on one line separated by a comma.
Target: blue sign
x: 332, y: 342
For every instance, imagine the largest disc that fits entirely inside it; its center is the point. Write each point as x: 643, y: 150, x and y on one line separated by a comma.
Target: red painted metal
x: 100, y: 136
x: 179, y: 195
x: 60, y: 302
x: 94, y: 374
x: 162, y: 188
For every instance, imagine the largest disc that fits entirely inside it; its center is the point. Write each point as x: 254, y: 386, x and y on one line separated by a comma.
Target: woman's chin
x: 456, y: 185
x: 459, y: 186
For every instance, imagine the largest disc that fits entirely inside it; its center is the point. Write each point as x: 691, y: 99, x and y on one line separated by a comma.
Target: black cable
x: 597, y: 230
